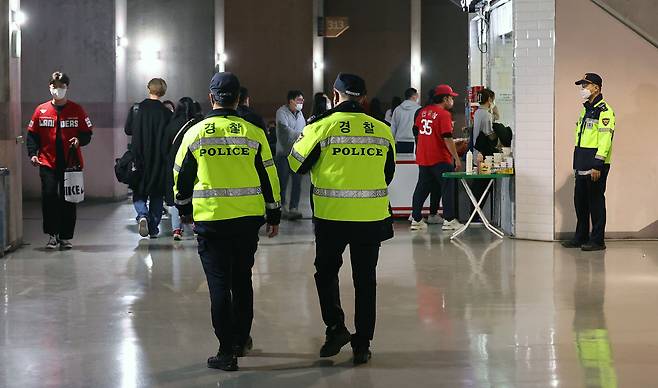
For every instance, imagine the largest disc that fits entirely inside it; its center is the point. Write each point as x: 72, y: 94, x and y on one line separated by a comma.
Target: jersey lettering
x: 427, y: 127
x: 68, y: 123
x: 46, y: 122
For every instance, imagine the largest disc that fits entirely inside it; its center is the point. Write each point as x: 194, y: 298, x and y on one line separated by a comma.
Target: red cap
x: 443, y: 90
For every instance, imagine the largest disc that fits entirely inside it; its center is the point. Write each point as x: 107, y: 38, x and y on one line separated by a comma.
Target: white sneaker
x: 418, y: 225
x: 452, y: 225
x: 143, y: 227
x: 434, y: 219
x: 411, y: 218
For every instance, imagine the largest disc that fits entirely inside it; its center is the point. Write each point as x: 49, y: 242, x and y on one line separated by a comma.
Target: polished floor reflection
x: 477, y: 312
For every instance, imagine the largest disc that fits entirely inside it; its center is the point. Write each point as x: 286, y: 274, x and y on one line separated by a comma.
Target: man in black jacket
x: 147, y: 124
x: 244, y: 110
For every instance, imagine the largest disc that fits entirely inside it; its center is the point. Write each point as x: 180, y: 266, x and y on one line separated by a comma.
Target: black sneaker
x: 362, y: 355
x: 223, y: 361
x: 592, y: 247
x: 52, y: 243
x: 243, y: 350
x: 572, y: 244
x: 335, y: 340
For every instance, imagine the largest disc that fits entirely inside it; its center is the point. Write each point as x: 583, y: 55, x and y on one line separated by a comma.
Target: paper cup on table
x: 497, y: 157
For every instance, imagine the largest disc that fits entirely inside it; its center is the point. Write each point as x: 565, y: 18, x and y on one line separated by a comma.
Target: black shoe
x: 335, y: 340
x: 362, y: 355
x: 223, y: 361
x: 572, y: 244
x: 592, y: 247
x: 243, y: 350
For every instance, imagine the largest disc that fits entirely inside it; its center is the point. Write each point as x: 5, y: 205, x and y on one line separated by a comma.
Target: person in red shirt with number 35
x: 436, y: 154
x: 56, y: 132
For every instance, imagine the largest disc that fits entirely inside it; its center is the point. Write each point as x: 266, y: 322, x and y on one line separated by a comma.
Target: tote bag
x: 74, y: 183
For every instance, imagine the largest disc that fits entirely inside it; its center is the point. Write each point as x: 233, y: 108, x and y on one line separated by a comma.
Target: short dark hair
x: 485, y: 95
x: 349, y: 97
x: 58, y: 76
x: 293, y: 94
x: 439, y: 98
x: 244, y: 94
x: 410, y: 93
x: 225, y: 100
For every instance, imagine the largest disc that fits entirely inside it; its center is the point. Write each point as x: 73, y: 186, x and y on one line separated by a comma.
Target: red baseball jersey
x: 433, y: 123
x: 72, y: 120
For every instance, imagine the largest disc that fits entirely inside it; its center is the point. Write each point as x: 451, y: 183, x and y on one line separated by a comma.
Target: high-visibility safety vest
x: 348, y: 177
x: 594, y: 132
x: 229, y: 152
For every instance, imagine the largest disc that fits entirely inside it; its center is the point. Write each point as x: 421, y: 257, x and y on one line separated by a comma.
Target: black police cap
x: 224, y: 86
x: 590, y: 78
x: 350, y: 84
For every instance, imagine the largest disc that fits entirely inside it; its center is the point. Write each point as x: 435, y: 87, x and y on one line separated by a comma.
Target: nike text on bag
x: 74, y: 183
x: 74, y: 186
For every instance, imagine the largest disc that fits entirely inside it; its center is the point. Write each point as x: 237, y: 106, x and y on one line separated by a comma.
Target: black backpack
x: 126, y: 169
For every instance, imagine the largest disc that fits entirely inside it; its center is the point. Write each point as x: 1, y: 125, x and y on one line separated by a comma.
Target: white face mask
x: 328, y: 105
x: 299, y: 107
x: 585, y: 94
x: 58, y: 93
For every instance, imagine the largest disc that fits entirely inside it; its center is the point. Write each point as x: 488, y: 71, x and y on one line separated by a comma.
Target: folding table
x: 464, y: 177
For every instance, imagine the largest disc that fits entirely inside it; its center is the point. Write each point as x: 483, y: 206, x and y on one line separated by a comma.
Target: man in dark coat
x: 244, y: 110
x: 146, y: 124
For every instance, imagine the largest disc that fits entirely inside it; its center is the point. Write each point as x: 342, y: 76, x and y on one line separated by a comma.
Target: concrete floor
x: 120, y: 312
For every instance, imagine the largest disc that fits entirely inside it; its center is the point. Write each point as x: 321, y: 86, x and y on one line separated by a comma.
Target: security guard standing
x: 224, y: 173
x: 351, y: 157
x: 591, y: 161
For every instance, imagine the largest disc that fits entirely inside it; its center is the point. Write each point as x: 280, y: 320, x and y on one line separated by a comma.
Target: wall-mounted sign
x: 332, y: 26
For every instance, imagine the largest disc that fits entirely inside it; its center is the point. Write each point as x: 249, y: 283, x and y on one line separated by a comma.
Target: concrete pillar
x: 534, y: 101
x: 416, y: 28
x: 10, y: 114
x: 220, y: 37
x: 121, y: 103
x: 318, y: 49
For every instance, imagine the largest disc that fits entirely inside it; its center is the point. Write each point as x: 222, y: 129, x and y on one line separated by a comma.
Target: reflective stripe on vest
x: 331, y: 193
x: 268, y: 163
x: 183, y: 202
x: 215, y: 193
x: 364, y: 140
x: 240, y: 141
x: 273, y: 205
x: 297, y: 156
x: 177, y: 167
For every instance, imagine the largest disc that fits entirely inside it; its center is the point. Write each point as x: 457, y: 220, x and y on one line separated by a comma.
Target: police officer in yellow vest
x: 591, y: 161
x: 351, y: 157
x: 224, y: 174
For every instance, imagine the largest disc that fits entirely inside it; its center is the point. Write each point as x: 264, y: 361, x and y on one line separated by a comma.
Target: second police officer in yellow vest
x: 351, y: 158
x: 224, y: 174
x: 594, y: 132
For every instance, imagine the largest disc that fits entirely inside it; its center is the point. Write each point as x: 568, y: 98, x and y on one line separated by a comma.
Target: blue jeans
x: 284, y: 172
x: 152, y: 212
x: 428, y: 178
x: 175, y: 218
